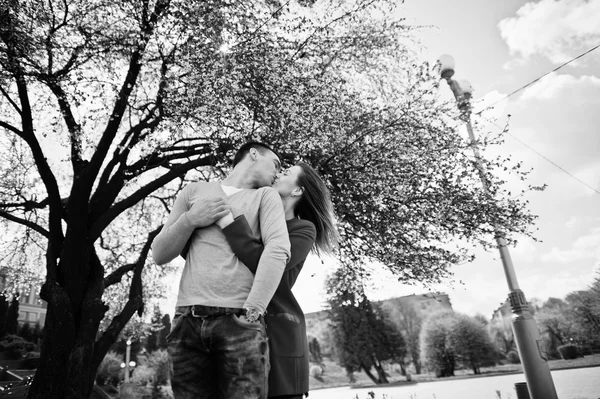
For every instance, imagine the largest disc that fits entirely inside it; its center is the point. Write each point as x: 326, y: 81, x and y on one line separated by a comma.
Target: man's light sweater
x: 213, y: 275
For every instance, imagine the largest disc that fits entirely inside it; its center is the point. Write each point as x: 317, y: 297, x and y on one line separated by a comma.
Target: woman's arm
x: 248, y: 248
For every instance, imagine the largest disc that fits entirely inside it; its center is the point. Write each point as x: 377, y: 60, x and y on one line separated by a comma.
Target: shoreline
x: 457, y: 377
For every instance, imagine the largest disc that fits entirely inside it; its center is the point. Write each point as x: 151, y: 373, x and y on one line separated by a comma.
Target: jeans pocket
x: 241, y: 321
x: 177, y: 320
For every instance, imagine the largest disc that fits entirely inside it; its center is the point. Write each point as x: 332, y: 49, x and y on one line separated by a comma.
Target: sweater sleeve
x: 176, y: 231
x: 249, y: 249
x: 276, y: 250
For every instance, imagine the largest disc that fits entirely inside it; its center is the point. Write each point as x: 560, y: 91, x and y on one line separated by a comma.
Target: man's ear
x: 253, y: 154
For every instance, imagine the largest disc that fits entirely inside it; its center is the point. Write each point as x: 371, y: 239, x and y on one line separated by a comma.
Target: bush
x: 316, y: 372
x: 568, y: 351
x: 159, y: 362
x: 143, y: 375
x: 110, y: 371
x: 513, y: 357
x: 32, y: 360
x: 15, y: 347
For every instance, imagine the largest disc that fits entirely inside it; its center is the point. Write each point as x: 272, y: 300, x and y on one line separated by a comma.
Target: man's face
x: 266, y: 168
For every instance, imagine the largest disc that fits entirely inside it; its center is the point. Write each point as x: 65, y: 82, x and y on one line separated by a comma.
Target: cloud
x: 492, y: 105
x: 556, y: 29
x: 554, y: 85
x: 585, y: 247
x: 525, y: 251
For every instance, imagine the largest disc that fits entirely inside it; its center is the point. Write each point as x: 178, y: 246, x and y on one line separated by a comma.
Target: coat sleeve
x: 248, y: 248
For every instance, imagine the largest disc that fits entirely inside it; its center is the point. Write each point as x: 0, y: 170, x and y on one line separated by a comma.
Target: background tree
x: 408, y: 321
x: 3, y: 315
x: 12, y: 315
x: 556, y: 324
x: 26, y: 332
x: 585, y: 313
x: 471, y: 342
x: 437, y: 352
x: 134, y: 99
x: 364, y: 339
x: 500, y: 330
x: 314, y: 350
x: 152, y: 338
x: 164, y: 331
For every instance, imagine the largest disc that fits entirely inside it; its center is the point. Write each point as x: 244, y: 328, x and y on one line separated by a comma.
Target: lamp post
x: 127, y: 359
x: 127, y: 389
x: 525, y: 329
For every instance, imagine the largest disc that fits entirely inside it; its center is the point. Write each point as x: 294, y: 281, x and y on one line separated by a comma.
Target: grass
x: 335, y: 376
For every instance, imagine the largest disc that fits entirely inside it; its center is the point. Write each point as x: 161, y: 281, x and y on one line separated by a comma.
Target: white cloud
x: 525, y: 251
x: 492, y: 105
x: 553, y: 85
x: 556, y: 29
x: 585, y: 247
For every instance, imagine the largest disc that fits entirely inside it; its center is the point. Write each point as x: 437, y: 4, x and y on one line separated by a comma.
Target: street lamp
x: 128, y: 362
x: 525, y: 329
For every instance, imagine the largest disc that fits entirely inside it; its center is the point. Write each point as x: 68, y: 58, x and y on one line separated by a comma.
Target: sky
x: 499, y: 46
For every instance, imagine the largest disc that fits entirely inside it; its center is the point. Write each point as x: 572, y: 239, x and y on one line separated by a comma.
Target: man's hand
x: 206, y: 211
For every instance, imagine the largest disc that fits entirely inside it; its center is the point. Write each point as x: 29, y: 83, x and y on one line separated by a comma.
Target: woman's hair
x: 315, y: 206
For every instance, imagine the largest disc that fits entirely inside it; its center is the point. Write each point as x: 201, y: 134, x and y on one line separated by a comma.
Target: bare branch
x: 25, y: 223
x: 10, y: 100
x: 105, y: 219
x: 135, y: 65
x: 115, y: 277
x: 11, y: 128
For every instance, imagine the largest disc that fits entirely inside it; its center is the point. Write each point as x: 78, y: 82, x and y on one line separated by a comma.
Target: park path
x: 582, y: 383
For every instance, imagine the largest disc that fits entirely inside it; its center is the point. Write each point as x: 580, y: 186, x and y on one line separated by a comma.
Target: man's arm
x: 276, y: 252
x: 182, y: 222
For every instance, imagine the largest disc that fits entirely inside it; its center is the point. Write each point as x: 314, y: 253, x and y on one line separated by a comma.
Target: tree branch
x: 120, y: 106
x: 115, y: 277
x: 25, y: 223
x: 105, y: 219
x: 11, y: 128
x: 10, y: 100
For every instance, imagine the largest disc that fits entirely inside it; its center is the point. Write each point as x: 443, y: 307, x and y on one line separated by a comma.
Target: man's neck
x: 239, y: 179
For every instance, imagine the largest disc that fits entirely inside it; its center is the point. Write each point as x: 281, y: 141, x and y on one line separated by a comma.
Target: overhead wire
x: 525, y: 144
x: 537, y: 79
x: 547, y: 159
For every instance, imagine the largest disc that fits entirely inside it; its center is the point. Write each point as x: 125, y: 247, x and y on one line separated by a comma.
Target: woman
x: 309, y: 217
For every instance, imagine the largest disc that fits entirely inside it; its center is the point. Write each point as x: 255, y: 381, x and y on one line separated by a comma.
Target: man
x: 218, y: 343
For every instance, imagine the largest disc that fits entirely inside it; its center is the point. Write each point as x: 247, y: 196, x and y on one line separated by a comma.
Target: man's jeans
x: 218, y: 357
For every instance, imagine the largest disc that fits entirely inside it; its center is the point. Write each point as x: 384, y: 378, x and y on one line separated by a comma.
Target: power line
x: 549, y: 160
x: 535, y: 80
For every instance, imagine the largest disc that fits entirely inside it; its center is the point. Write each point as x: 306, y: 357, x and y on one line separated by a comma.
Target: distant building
x: 32, y: 308
x: 423, y: 303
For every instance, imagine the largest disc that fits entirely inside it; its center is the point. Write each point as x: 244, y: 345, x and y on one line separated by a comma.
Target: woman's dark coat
x: 286, y: 326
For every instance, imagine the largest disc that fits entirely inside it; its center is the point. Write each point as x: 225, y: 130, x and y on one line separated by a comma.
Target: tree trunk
x: 416, y: 360
x: 381, y: 373
x: 369, y: 374
x: 66, y: 369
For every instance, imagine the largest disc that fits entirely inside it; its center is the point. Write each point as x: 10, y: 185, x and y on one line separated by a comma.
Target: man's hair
x: 245, y: 149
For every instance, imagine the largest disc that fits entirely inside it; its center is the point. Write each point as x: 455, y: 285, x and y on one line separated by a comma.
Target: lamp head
x: 466, y: 88
x: 446, y: 65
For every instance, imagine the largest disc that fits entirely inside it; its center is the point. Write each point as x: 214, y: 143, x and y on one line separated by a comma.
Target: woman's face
x: 287, y: 181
